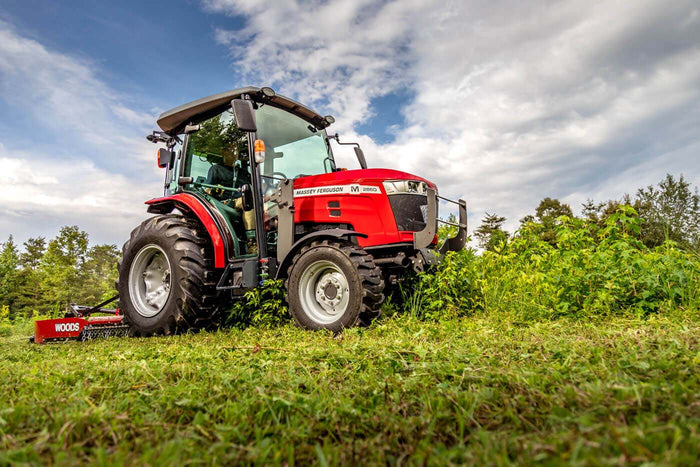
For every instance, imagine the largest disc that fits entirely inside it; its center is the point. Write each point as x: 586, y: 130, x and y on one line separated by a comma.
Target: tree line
x: 669, y: 211
x: 45, y: 277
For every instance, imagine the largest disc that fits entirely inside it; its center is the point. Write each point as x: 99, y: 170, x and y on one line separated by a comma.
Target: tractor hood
x: 344, y: 177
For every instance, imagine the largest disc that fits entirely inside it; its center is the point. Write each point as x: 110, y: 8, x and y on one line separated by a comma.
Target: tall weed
x: 262, y: 307
x: 590, y: 270
x: 453, y: 288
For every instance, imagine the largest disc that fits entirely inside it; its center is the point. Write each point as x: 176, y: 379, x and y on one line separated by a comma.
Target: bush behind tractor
x: 252, y: 192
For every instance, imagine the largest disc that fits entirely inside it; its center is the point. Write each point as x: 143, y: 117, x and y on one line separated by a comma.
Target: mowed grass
x: 469, y: 390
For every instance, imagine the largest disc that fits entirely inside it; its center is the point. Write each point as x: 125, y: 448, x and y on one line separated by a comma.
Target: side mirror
x: 358, y: 150
x: 244, y: 115
x: 247, y: 195
x: 166, y: 158
x: 360, y: 157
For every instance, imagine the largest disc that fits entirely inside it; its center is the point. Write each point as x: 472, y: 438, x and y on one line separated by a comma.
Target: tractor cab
x: 216, y: 164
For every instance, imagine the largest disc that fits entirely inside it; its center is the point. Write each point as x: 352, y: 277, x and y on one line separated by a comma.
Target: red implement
x: 80, y: 326
x: 75, y: 328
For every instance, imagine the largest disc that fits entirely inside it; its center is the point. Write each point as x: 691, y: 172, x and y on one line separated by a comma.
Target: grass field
x: 468, y: 390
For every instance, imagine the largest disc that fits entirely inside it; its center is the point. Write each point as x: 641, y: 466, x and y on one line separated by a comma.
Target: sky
x: 499, y: 103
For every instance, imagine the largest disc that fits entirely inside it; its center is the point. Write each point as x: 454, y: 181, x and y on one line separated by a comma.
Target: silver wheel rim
x: 324, y: 292
x: 149, y: 280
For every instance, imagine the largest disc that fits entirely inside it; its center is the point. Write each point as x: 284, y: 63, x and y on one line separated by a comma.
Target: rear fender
x: 191, y: 204
x: 334, y: 234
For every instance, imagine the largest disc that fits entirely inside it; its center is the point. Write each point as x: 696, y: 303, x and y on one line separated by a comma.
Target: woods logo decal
x: 67, y: 327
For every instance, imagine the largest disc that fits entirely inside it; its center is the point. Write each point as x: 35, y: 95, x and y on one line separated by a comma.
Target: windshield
x: 293, y: 147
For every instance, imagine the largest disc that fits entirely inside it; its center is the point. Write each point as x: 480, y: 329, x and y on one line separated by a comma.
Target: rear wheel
x: 334, y: 285
x: 167, y: 282
x: 149, y: 280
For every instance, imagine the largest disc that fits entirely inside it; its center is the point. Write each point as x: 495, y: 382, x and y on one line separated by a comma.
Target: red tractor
x: 252, y: 192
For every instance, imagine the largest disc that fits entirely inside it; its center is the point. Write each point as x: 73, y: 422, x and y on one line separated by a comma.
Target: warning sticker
x: 353, y: 189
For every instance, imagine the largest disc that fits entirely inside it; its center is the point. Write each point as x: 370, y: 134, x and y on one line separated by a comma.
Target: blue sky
x: 502, y: 104
x: 137, y: 47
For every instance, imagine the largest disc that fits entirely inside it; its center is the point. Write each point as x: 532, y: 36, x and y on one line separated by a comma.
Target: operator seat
x: 220, y: 174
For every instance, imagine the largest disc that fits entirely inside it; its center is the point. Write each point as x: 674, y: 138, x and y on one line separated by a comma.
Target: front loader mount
x: 77, y: 324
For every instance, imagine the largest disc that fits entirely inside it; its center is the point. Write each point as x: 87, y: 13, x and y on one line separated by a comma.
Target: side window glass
x: 218, y: 154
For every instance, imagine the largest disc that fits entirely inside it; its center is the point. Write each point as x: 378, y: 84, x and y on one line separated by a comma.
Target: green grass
x: 467, y: 390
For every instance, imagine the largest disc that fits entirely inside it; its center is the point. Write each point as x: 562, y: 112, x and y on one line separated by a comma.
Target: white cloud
x: 345, y: 49
x: 103, y: 170
x: 512, y: 101
x: 63, y: 93
x: 37, y: 201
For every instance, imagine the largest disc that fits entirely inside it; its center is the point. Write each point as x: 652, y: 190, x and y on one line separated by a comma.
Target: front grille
x: 408, y: 212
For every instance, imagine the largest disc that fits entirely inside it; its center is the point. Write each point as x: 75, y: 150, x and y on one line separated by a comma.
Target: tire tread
x: 198, y: 304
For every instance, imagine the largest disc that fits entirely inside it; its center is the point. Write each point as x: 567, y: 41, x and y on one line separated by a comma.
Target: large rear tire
x: 334, y: 285
x: 167, y: 281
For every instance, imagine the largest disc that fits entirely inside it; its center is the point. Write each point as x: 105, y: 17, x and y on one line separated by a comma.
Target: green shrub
x: 589, y: 270
x: 452, y: 289
x: 607, y: 270
x: 263, y: 307
x: 5, y: 323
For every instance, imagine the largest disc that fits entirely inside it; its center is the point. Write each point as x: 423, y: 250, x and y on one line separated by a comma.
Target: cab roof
x: 174, y: 120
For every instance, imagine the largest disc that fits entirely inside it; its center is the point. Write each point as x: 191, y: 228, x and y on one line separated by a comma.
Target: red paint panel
x: 203, y: 215
x: 368, y: 213
x: 69, y: 328
x: 64, y: 328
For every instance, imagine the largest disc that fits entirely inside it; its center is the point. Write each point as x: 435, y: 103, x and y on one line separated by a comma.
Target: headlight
x: 393, y: 187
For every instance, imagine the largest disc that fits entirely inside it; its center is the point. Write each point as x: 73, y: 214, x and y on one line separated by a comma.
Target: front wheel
x: 334, y: 285
x: 167, y: 282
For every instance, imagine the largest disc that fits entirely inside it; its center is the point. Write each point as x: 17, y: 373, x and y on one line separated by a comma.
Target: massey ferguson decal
x: 67, y: 327
x: 353, y: 189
